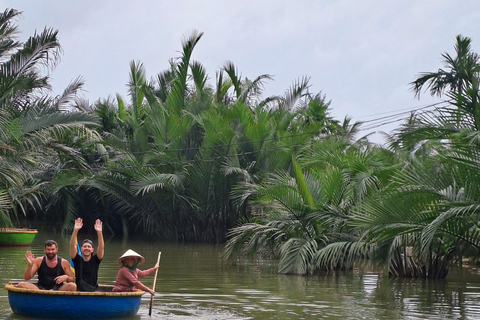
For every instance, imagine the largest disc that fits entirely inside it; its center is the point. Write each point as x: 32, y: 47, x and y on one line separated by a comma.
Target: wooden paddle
x: 154, y: 283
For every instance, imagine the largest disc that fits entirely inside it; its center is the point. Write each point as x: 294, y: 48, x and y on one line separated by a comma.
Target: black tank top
x: 46, y: 275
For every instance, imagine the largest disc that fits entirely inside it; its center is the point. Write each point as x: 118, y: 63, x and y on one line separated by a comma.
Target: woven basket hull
x: 73, y: 305
x: 16, y: 237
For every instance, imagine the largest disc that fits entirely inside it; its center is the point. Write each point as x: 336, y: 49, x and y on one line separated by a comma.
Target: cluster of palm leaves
x: 179, y: 146
x: 35, y: 129
x: 412, y: 206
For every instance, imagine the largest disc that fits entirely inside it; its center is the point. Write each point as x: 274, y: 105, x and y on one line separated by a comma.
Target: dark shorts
x: 43, y: 287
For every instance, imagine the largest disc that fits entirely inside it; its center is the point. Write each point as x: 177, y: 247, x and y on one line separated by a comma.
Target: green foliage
x: 304, y: 218
x: 37, y: 133
x: 184, y: 160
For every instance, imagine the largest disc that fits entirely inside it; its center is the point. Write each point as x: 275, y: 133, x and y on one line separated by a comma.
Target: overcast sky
x: 361, y: 54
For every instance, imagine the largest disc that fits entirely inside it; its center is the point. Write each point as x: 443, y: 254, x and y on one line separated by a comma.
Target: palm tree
x: 458, y: 75
x: 34, y: 127
x: 432, y: 210
x: 298, y: 216
x: 152, y: 138
x: 459, y: 80
x: 427, y: 216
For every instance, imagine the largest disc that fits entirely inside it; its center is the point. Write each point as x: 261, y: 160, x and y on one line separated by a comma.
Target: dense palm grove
x: 184, y: 160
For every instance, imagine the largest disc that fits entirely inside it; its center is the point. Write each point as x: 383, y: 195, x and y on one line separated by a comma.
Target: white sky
x: 361, y: 54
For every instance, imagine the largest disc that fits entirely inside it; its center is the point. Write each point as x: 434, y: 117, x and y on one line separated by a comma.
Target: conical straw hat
x: 130, y: 254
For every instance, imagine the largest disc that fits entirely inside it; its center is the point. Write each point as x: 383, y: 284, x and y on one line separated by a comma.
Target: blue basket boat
x: 48, y: 304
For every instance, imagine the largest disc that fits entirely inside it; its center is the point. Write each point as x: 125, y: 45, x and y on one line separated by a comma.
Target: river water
x: 194, y: 283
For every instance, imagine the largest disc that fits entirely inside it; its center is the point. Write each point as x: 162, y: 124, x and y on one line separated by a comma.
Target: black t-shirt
x: 86, y: 273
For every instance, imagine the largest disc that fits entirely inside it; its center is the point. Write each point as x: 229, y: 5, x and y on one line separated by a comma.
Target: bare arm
x: 101, y: 245
x: 73, y: 240
x: 68, y: 272
x: 32, y: 265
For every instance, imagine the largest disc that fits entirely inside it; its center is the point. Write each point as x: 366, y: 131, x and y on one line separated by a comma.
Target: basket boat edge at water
x: 16, y: 236
x: 73, y: 305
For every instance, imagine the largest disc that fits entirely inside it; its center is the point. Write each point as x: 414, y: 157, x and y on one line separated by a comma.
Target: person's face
x: 130, y: 261
x: 51, y: 251
x: 86, y: 249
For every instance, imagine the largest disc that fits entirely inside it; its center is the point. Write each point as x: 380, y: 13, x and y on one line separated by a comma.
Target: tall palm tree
x: 459, y: 80
x: 154, y: 136
x: 34, y: 127
x: 458, y: 73
x: 428, y: 215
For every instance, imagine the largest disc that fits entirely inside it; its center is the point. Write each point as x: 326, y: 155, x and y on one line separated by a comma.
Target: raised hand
x: 30, y: 257
x: 78, y: 224
x: 98, y: 225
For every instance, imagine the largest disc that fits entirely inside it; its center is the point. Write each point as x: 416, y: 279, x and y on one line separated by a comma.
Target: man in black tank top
x: 52, y: 270
x: 87, y: 264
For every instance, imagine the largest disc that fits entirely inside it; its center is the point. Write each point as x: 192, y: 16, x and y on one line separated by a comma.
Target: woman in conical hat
x: 127, y: 277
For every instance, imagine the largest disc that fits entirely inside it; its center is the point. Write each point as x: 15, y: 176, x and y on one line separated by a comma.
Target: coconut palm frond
x: 251, y: 238
x: 296, y: 256
x: 342, y: 255
x: 155, y: 181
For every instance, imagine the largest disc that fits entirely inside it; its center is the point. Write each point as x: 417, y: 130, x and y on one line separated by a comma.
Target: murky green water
x: 194, y: 283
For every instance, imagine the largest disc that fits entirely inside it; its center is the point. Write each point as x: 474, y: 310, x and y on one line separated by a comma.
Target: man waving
x: 87, y: 264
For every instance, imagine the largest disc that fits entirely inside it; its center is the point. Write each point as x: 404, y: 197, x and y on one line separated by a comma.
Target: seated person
x: 87, y: 264
x: 52, y: 270
x: 127, y: 277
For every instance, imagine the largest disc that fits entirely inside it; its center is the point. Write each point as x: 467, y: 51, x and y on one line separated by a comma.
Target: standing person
x: 52, y: 270
x: 86, y: 265
x: 127, y: 277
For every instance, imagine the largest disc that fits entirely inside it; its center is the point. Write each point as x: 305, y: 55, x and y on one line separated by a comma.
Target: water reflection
x: 194, y: 283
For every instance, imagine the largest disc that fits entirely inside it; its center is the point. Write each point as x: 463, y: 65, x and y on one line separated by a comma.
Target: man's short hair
x: 49, y: 243
x: 87, y: 241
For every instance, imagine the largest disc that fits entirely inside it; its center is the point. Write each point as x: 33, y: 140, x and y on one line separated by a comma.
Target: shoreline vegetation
x: 186, y: 160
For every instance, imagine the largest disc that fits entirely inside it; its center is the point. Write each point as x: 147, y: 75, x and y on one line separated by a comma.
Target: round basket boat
x: 48, y: 304
x: 16, y: 236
